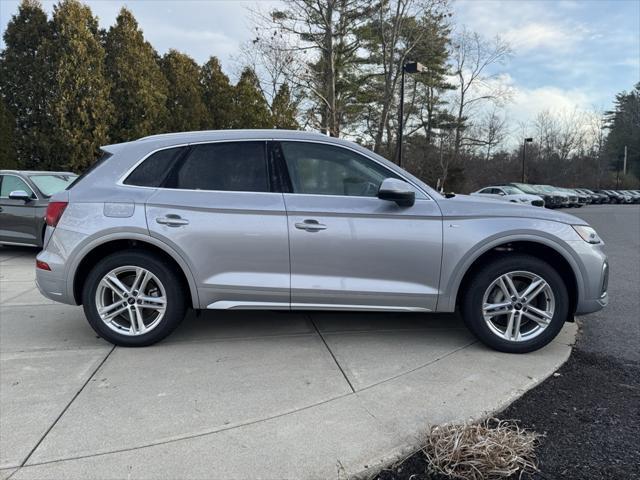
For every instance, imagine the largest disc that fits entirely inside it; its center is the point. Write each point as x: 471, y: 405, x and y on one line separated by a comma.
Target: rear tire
x: 133, y: 299
x: 508, y: 325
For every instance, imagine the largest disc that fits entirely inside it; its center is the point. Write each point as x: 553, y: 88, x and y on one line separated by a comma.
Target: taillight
x: 54, y: 212
x: 42, y: 265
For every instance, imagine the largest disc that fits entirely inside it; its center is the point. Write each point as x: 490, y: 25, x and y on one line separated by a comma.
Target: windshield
x: 49, y: 184
x: 512, y: 190
x: 525, y: 188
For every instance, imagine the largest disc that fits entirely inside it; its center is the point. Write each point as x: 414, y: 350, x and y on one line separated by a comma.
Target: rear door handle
x: 310, y: 225
x: 172, y: 220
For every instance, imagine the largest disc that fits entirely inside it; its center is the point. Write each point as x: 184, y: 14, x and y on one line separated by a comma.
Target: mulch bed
x: 589, y: 412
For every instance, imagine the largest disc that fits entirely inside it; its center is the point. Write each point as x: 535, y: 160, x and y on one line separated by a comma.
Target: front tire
x: 516, y: 304
x: 132, y: 299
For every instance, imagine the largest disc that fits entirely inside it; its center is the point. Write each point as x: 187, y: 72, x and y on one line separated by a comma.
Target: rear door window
x: 224, y: 166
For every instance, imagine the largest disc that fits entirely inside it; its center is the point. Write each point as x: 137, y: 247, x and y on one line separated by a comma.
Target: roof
x: 36, y: 172
x: 258, y: 134
x: 183, y: 138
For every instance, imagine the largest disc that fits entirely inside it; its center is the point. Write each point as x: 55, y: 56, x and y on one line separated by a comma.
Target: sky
x: 567, y: 54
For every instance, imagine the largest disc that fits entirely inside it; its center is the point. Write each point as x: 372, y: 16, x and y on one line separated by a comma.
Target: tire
x: 553, y: 299
x: 157, y: 309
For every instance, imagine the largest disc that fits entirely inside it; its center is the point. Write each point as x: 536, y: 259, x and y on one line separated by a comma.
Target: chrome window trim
x: 26, y: 182
x: 123, y: 177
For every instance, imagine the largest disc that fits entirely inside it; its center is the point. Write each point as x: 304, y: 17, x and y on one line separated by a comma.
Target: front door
x: 349, y: 249
x: 17, y: 219
x: 220, y: 211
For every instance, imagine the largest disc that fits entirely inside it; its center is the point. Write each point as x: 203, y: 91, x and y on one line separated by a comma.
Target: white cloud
x: 537, y: 35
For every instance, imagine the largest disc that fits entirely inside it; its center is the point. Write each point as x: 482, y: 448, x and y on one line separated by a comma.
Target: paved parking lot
x: 238, y: 394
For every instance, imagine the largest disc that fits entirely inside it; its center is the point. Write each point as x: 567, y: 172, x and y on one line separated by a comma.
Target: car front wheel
x: 516, y: 304
x: 132, y: 299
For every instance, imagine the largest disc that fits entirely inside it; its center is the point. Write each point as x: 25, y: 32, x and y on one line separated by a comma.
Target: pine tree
x: 185, y: 105
x: 79, y: 104
x: 23, y: 81
x: 284, y: 109
x: 138, y: 86
x: 7, y: 129
x: 624, y: 131
x: 250, y: 108
x: 218, y: 96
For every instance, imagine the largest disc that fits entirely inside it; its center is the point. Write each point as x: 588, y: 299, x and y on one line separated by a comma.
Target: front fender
x: 464, y: 244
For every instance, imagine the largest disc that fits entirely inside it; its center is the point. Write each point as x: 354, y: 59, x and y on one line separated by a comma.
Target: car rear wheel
x: 132, y: 299
x: 516, y: 304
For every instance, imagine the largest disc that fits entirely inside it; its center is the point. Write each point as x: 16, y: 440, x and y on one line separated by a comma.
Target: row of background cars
x: 556, y: 197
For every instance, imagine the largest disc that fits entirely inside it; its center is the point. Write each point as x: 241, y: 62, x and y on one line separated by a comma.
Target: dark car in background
x: 24, y: 197
x: 614, y: 197
x: 633, y: 194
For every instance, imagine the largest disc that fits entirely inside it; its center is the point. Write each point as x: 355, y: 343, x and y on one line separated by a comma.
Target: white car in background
x: 510, y: 194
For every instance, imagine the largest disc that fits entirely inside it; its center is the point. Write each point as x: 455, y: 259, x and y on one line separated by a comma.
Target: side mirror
x: 398, y: 191
x: 20, y: 195
x: 501, y: 194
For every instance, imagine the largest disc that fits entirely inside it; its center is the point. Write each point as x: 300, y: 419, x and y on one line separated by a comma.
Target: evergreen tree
x: 79, y: 103
x: 185, y: 105
x: 138, y: 86
x: 250, y: 107
x: 284, y: 109
x: 624, y: 130
x: 7, y: 148
x: 218, y: 96
x: 23, y: 80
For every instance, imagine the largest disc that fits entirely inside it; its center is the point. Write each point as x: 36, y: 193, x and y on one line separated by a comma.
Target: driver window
x: 11, y: 183
x: 320, y: 169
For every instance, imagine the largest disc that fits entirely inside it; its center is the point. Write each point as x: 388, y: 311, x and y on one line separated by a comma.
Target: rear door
x: 17, y: 219
x: 219, y: 208
x: 349, y: 249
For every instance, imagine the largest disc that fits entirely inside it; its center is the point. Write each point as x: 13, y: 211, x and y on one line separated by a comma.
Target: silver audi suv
x: 283, y: 220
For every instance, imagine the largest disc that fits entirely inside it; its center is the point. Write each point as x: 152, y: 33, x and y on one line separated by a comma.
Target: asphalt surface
x: 615, y: 331
x: 589, y: 411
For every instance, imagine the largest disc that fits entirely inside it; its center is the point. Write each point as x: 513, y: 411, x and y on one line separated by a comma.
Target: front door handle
x: 172, y: 220
x: 310, y: 225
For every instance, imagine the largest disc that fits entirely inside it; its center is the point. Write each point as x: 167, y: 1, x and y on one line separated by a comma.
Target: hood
x: 468, y: 206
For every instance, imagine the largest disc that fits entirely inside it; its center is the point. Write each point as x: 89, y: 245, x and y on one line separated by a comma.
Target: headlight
x: 588, y: 234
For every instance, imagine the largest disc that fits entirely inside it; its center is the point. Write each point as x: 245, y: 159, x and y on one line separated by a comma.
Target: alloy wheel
x: 518, y: 306
x: 131, y: 300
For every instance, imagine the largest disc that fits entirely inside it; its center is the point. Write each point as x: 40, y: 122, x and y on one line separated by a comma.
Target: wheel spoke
x: 511, y: 287
x: 533, y: 291
x: 140, y: 326
x: 107, y: 317
x: 535, y: 282
x: 512, y: 332
x: 541, y: 317
x: 493, y: 309
x: 152, y: 302
x: 116, y: 285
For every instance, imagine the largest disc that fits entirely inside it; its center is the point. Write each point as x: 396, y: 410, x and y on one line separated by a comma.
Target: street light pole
x: 401, y: 116
x: 524, y: 155
x: 410, y: 67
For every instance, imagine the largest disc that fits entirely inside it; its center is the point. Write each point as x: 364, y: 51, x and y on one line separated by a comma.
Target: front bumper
x: 595, y: 274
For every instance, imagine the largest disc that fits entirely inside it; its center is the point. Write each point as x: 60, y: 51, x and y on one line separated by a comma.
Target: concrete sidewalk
x: 237, y: 394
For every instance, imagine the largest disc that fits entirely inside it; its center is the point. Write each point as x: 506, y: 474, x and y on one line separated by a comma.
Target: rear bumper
x: 52, y: 286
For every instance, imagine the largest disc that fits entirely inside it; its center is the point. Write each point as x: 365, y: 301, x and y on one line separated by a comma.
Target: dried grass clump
x: 488, y: 450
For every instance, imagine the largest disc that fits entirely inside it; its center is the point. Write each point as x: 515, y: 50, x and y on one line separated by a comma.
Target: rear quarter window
x: 153, y: 171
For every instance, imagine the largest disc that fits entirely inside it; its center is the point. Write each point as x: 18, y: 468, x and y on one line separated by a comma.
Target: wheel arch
x: 541, y: 248
x: 97, y: 250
